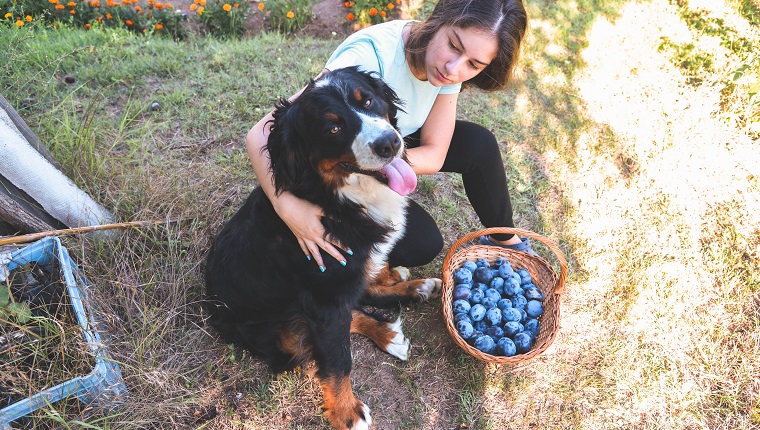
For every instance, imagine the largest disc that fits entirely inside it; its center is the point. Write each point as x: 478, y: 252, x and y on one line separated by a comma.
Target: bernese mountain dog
x: 336, y: 146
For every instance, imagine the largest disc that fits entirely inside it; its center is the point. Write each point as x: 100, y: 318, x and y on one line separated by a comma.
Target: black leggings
x: 475, y: 154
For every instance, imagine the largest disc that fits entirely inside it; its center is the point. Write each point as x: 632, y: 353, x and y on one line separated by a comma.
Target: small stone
x: 69, y: 79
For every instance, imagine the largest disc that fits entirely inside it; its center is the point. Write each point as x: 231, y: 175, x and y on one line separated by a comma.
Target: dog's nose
x: 387, y: 145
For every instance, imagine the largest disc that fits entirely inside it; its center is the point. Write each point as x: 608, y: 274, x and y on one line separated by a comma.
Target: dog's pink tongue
x: 401, y: 177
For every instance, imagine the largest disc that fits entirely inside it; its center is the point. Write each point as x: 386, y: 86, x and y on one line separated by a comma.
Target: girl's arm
x: 435, y: 136
x: 302, y: 217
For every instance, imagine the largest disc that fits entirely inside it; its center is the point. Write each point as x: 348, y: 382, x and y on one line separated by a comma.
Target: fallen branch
x: 78, y: 230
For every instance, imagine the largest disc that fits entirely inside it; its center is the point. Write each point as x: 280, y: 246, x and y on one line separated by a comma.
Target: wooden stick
x: 78, y: 230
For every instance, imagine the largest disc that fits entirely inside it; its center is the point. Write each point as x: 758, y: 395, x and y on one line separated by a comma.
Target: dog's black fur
x: 326, y: 147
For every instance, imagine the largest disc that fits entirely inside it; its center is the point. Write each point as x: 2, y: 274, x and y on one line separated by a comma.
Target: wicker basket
x: 544, y: 277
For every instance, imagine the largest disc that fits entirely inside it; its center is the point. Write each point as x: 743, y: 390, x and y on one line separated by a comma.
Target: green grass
x: 659, y: 325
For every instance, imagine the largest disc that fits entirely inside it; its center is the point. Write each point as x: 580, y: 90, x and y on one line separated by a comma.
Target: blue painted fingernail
x: 343, y: 263
x: 308, y: 257
x: 349, y: 252
x: 322, y: 269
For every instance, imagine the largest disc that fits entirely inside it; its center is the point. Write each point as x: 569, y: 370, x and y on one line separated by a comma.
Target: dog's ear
x: 287, y: 150
x: 389, y: 96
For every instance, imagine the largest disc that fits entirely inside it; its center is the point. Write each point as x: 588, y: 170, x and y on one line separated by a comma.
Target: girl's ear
x: 287, y: 150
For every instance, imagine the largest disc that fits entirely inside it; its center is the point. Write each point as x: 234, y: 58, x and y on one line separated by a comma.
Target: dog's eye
x: 335, y: 129
x: 367, y: 103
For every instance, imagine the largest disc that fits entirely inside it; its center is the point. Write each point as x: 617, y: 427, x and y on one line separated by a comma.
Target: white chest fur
x: 383, y: 205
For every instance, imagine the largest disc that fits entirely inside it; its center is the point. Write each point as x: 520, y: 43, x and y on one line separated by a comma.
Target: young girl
x: 464, y: 43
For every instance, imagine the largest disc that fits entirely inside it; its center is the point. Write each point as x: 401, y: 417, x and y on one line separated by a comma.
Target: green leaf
x: 20, y: 311
x: 5, y: 296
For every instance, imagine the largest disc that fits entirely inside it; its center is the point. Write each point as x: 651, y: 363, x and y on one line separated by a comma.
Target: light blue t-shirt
x: 380, y: 48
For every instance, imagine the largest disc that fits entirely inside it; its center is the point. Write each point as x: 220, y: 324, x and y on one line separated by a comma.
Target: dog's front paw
x: 429, y: 289
x: 400, y: 345
x: 355, y: 417
x: 402, y: 272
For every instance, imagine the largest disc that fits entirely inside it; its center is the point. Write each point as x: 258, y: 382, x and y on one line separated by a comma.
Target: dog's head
x: 342, y: 124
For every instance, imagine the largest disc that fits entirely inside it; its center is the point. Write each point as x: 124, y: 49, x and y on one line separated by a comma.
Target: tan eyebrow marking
x: 357, y: 94
x: 332, y: 117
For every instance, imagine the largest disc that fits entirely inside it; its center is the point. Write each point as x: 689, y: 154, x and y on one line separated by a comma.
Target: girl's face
x: 455, y: 55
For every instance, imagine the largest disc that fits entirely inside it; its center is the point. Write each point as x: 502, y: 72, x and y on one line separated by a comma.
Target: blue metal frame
x: 104, y: 385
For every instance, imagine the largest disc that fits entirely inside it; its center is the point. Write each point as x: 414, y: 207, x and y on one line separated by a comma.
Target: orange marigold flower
x: 236, y: 5
x: 350, y: 17
x: 28, y: 18
x: 138, y: 9
x: 59, y: 7
x: 73, y: 12
x: 261, y: 6
x: 391, y: 6
x: 193, y: 6
x: 227, y: 7
x: 346, y: 4
x: 108, y: 16
x: 290, y: 15
x: 159, y: 6
x: 53, y: 1
x: 200, y: 10
x: 87, y: 26
x: 100, y: 19
x: 398, y: 1
x: 168, y: 6
x: 95, y: 3
x: 159, y: 26
x: 372, y: 11
x: 111, y: 3
x: 71, y: 4
x: 203, y: 2
x: 129, y: 23
x: 382, y: 13
x: 19, y: 23
x: 8, y: 15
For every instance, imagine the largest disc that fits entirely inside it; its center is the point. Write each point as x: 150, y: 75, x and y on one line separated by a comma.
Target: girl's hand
x: 304, y: 220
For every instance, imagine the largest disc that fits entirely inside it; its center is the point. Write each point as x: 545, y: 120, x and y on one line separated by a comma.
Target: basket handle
x: 520, y: 232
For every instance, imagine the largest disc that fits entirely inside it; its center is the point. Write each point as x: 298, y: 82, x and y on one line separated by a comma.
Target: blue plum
x: 476, y: 296
x: 493, y: 316
x: 480, y: 325
x: 477, y: 312
x: 462, y: 316
x: 506, y: 347
x: 495, y: 332
x: 497, y: 283
x: 465, y: 329
x: 480, y: 286
x: 533, y: 327
x: 461, y: 292
x: 503, y: 304
x: 525, y: 277
x: 523, y: 342
x: 488, y: 302
x: 462, y: 276
x: 505, y: 270
x: 519, y: 301
x: 482, y: 274
x: 493, y: 294
x: 500, y: 261
x: 534, y: 308
x: 511, y: 314
x: 485, y: 344
x: 470, y: 265
x: 511, y: 328
x: 460, y: 306
x: 533, y: 293
x: 482, y: 262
